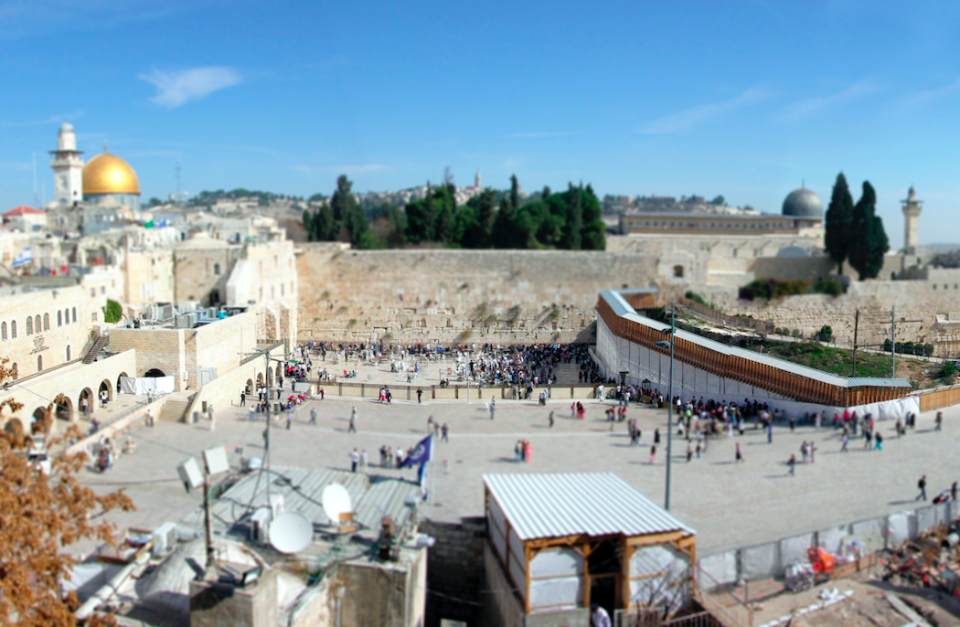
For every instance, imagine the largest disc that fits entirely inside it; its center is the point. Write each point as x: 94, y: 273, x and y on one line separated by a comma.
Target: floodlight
x: 215, y: 460
x: 190, y: 474
x: 251, y: 576
x: 662, y: 344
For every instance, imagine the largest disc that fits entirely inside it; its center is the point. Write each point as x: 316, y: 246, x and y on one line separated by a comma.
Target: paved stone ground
x: 730, y: 505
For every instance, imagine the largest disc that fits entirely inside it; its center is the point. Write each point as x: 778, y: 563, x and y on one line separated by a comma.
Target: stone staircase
x: 566, y: 373
x: 175, y: 407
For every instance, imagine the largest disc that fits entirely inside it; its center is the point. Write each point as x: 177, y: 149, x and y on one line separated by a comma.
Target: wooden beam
x: 526, y: 556
x: 657, y: 538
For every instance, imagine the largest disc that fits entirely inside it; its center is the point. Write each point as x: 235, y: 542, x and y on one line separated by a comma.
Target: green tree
x: 839, y: 222
x: 869, y: 243
x: 719, y: 201
x: 112, y: 312
x: 594, y: 230
x: 514, y: 191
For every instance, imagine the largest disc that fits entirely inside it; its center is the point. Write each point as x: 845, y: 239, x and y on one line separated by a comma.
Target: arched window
x: 216, y: 269
x: 36, y: 323
x: 678, y: 272
x: 59, y: 318
x: 39, y: 363
x: 29, y: 325
x: 13, y: 329
x: 3, y: 330
x: 74, y: 314
x: 68, y: 352
x: 15, y: 370
x: 66, y: 316
x: 46, y: 322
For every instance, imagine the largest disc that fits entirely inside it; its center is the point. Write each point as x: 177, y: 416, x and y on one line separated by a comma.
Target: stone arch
x: 39, y: 363
x: 68, y: 352
x: 122, y: 375
x: 249, y: 387
x: 259, y: 380
x: 38, y: 421
x: 59, y: 318
x: 64, y: 408
x: 279, y: 371
x: 3, y: 330
x: 46, y: 322
x: 154, y: 373
x: 29, y: 325
x: 13, y: 426
x: 85, y: 401
x: 36, y: 324
x: 13, y: 330
x: 105, y: 386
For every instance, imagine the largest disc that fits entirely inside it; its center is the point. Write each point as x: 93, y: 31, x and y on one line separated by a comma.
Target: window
x: 3, y: 331
x: 13, y: 332
x: 39, y: 363
x: 74, y: 314
x: 30, y: 321
x: 216, y: 269
x: 93, y: 316
x: 46, y: 322
x: 36, y: 323
x: 93, y: 292
x: 678, y: 272
x: 103, y: 290
x: 66, y: 316
x: 59, y: 318
x: 68, y: 352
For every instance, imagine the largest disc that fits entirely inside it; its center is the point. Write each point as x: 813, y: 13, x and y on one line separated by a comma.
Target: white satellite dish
x: 291, y: 532
x: 336, y: 501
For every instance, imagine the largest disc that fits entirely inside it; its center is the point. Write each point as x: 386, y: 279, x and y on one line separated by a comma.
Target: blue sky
x: 741, y: 98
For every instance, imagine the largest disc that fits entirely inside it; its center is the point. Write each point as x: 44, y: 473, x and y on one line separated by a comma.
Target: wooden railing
x: 938, y: 398
x: 737, y: 322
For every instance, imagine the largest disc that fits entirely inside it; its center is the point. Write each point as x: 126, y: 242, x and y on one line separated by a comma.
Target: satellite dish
x: 291, y: 532
x: 336, y: 501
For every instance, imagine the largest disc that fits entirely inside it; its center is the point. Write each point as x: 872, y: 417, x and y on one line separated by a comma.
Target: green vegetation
x: 699, y: 300
x: 570, y: 220
x: 828, y: 359
x: 947, y: 373
x: 112, y: 312
x: 825, y: 334
x: 855, y: 232
x: 909, y: 348
x: 207, y: 198
x: 773, y: 288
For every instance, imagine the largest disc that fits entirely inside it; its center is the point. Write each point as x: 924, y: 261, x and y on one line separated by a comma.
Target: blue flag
x: 24, y: 256
x: 421, y: 454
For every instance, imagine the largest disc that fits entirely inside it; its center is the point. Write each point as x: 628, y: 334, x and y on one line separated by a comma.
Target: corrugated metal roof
x: 302, y: 490
x: 618, y: 304
x: 563, y: 504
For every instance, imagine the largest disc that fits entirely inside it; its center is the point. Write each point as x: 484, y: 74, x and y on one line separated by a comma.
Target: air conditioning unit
x: 260, y: 525
x: 187, y: 320
x: 164, y: 539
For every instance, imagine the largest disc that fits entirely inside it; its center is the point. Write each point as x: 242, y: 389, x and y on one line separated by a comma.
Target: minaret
x: 477, y: 181
x: 67, y: 167
x: 911, y: 221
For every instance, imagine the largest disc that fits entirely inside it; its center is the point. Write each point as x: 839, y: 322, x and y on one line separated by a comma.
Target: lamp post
x: 665, y: 344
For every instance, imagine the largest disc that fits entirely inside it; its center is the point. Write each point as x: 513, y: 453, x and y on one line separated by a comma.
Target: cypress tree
x: 869, y: 241
x: 838, y: 223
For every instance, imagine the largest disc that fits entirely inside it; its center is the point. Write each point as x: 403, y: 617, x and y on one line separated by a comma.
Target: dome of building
x: 803, y: 203
x: 109, y: 174
x: 912, y: 194
x: 66, y: 127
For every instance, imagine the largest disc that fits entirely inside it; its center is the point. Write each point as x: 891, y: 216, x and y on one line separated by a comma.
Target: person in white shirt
x: 599, y: 617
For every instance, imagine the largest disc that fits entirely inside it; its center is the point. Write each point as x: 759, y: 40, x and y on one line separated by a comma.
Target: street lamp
x: 665, y: 344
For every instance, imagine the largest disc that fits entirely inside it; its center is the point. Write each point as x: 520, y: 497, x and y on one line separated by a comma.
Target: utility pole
x: 893, y: 342
x: 673, y: 329
x: 856, y: 327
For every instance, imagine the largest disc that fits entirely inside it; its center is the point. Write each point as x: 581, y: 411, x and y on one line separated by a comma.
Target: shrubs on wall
x: 775, y: 288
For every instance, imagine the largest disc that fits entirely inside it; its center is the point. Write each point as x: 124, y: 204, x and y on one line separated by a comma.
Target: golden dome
x: 109, y: 174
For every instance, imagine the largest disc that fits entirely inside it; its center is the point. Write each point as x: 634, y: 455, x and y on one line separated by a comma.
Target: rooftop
x: 566, y: 504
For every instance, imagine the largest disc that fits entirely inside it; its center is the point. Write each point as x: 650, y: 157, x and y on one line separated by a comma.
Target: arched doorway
x: 14, y: 426
x: 38, y: 421
x: 279, y: 371
x: 122, y: 375
x: 249, y: 386
x: 259, y: 380
x: 85, y: 402
x: 106, y: 387
x: 154, y: 373
x: 64, y: 408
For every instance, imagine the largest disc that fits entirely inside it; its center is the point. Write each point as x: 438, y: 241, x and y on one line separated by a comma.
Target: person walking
x: 739, y: 457
x: 210, y: 415
x: 493, y: 407
x: 844, y: 443
x: 354, y: 460
x: 364, y: 459
x: 444, y: 430
x: 656, y: 436
x: 353, y: 420
x: 289, y: 419
x: 689, y: 451
x: 953, y: 491
x: 653, y: 454
x: 879, y: 440
x: 922, y: 485
x: 792, y: 462
x: 253, y: 414
x: 939, y: 420
x: 550, y: 418
x: 813, y: 450
x: 313, y: 415
x: 419, y: 395
x: 243, y: 399
x: 266, y: 437
x: 770, y: 433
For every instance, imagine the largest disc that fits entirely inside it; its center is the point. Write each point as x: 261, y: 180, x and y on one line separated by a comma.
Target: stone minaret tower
x: 911, y: 222
x: 477, y: 182
x: 67, y: 167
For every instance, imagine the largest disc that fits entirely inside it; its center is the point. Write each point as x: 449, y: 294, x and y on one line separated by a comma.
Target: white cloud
x: 693, y: 116
x: 178, y: 88
x: 812, y: 106
x: 921, y: 97
x: 53, y: 119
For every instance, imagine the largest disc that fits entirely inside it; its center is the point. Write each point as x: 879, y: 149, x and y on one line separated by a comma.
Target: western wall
x: 497, y: 296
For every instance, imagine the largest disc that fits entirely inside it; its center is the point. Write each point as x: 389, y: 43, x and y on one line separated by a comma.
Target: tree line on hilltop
x: 569, y: 220
x: 854, y: 232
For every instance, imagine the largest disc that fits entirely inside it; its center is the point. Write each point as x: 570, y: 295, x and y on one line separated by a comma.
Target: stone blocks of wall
x: 455, y: 570
x: 161, y: 349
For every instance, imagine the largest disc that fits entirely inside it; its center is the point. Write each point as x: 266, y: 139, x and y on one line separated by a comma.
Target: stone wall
x: 455, y: 572
x: 457, y: 296
x: 162, y: 349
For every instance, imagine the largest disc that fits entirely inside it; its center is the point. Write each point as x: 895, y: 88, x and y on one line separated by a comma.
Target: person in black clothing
x: 922, y: 484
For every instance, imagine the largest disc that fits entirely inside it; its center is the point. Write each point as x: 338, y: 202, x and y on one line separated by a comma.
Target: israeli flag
x: 421, y: 454
x: 25, y: 256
